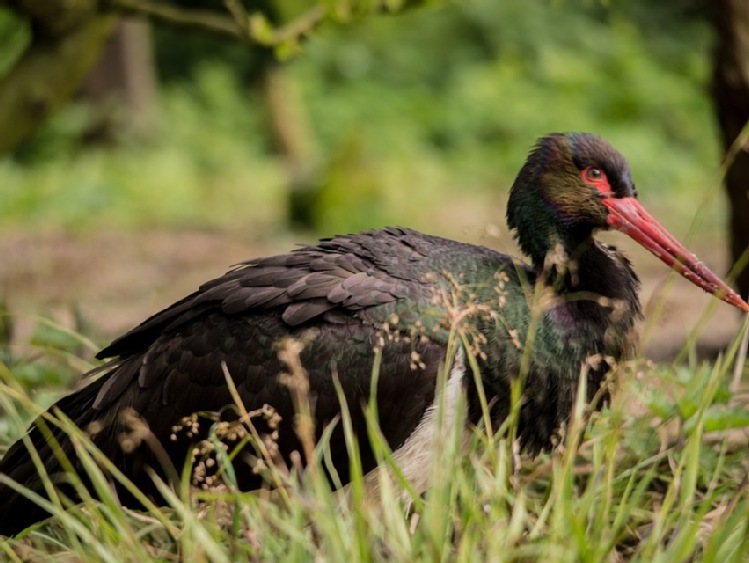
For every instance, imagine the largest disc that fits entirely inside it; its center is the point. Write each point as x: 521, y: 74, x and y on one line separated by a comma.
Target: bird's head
x: 573, y: 184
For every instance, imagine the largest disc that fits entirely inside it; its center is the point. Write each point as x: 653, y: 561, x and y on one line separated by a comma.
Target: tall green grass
x: 661, y: 475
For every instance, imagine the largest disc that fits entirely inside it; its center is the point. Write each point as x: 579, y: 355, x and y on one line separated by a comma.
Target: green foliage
x: 204, y: 169
x: 436, y: 101
x: 504, y: 73
x: 14, y: 36
x: 349, y: 197
x: 48, y: 364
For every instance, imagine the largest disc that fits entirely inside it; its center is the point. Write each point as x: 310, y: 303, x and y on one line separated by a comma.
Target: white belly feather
x: 416, y: 457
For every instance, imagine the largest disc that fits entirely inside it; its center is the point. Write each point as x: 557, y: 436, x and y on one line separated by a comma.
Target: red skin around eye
x: 601, y: 184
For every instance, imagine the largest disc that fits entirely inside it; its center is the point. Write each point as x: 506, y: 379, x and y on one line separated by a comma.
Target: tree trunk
x: 731, y: 97
x: 292, y: 139
x: 122, y: 84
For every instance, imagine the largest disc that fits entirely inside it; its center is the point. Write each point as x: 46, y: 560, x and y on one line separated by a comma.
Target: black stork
x: 395, y: 291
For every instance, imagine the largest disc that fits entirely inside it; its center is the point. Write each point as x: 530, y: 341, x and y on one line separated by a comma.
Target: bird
x: 387, y: 299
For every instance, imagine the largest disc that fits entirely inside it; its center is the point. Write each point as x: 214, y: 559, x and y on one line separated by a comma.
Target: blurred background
x: 148, y: 145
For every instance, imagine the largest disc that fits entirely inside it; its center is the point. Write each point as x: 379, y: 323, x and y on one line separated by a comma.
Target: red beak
x: 628, y: 216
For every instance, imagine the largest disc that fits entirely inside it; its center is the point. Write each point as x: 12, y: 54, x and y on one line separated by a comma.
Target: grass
x: 659, y: 476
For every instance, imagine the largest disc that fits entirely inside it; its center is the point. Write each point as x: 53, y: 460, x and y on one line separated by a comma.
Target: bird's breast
x: 439, y: 424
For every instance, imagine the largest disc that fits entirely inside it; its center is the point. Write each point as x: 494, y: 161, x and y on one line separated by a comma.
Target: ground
x: 116, y: 279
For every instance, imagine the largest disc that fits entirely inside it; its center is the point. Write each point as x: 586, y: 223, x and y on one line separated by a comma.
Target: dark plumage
x: 391, y: 290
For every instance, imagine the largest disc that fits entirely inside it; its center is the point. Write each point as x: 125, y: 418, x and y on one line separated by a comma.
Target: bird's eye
x: 596, y: 178
x: 593, y: 174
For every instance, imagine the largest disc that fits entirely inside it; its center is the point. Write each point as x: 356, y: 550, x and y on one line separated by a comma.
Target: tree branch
x: 254, y: 28
x: 303, y: 25
x: 201, y: 19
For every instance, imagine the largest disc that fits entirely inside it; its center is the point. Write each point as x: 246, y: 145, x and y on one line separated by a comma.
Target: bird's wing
x: 332, y: 279
x: 336, y: 298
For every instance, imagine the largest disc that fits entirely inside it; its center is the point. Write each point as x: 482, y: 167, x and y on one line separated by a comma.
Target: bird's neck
x: 583, y: 267
x: 592, y: 314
